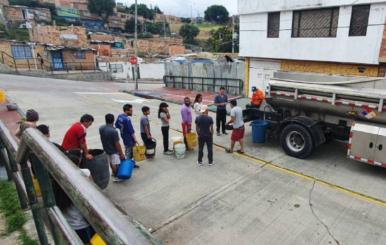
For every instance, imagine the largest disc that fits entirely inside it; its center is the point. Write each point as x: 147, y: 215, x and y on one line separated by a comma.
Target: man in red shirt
x: 75, y: 137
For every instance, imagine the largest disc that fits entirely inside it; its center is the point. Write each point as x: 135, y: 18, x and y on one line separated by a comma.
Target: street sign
x: 133, y: 60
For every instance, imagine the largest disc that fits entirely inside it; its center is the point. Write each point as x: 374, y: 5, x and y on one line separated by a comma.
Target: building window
x: 21, y: 52
x: 273, y: 24
x: 359, y: 20
x: 79, y: 54
x: 315, y: 23
x: 123, y: 16
x: 86, y: 13
x: 116, y: 68
x: 115, y: 14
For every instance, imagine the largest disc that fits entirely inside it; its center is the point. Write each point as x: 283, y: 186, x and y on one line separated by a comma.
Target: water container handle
x: 154, y: 140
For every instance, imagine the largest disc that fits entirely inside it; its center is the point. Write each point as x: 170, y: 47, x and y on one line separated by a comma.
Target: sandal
x: 228, y: 150
x: 240, y: 152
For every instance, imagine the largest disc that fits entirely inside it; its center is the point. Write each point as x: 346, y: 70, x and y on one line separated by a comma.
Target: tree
x: 130, y: 25
x: 143, y: 10
x: 221, y: 40
x: 216, y: 13
x: 157, y: 10
x: 189, y: 32
x: 102, y: 8
x: 186, y: 20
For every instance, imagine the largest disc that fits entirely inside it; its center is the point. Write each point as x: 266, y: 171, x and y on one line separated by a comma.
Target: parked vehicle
x: 306, y: 115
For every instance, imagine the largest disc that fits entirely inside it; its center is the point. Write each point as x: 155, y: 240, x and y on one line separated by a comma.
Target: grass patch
x: 25, y: 239
x: 11, y: 211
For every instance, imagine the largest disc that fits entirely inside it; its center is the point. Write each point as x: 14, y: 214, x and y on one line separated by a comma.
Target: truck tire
x: 297, y: 141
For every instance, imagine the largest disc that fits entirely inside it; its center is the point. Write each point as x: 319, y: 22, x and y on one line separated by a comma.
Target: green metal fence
x: 108, y: 219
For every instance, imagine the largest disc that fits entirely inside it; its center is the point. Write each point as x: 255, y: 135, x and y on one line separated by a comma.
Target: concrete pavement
x: 325, y: 199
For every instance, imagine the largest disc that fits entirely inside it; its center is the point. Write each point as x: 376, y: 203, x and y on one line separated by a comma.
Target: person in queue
x: 111, y: 145
x: 238, y: 127
x: 32, y: 117
x: 204, y: 128
x: 123, y: 123
x: 75, y: 138
x: 186, y: 114
x: 197, y: 104
x: 221, y: 101
x: 164, y: 115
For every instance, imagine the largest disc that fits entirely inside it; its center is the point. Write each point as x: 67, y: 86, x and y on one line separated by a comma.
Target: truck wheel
x: 297, y: 141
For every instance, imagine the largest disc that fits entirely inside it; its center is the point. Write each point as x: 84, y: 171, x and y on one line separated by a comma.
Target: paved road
x: 325, y: 199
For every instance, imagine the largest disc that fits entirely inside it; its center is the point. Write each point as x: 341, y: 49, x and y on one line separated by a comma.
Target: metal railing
x: 213, y: 83
x: 114, y: 226
x: 34, y: 64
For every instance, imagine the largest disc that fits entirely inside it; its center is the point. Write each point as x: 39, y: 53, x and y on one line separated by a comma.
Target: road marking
x: 137, y: 101
x: 95, y: 93
x: 268, y: 164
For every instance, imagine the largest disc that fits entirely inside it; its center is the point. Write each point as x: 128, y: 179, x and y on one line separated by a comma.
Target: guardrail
x: 34, y: 64
x: 213, y: 83
x: 114, y: 226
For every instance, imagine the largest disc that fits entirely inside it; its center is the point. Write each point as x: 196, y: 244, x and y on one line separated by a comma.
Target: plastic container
x: 139, y: 153
x: 259, y: 130
x: 180, y: 151
x: 191, y: 140
x: 126, y: 169
x: 151, y: 146
x: 177, y: 139
x: 97, y: 240
x: 177, y: 142
x: 99, y: 167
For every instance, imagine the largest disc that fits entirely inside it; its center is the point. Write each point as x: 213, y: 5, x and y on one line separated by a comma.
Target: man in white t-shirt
x: 238, y: 127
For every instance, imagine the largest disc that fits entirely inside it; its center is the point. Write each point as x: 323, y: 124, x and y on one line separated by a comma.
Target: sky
x: 183, y: 8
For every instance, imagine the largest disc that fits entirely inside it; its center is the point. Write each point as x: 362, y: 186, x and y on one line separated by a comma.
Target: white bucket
x: 175, y: 139
x: 180, y: 151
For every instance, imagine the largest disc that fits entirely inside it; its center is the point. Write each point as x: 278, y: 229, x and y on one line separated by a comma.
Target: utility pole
x: 164, y: 29
x: 136, y: 47
x: 233, y: 36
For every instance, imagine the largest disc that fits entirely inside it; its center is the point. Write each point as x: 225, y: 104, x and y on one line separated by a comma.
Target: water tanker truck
x: 307, y: 114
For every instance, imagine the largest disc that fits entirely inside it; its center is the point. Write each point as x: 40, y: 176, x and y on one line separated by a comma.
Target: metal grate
x: 359, y: 20
x: 315, y: 23
x: 273, y: 25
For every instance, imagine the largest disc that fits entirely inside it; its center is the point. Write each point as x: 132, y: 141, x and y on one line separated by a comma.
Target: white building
x: 324, y: 36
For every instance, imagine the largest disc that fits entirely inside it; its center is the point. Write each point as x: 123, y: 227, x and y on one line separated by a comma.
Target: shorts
x: 85, y: 234
x: 238, y: 134
x: 113, y: 159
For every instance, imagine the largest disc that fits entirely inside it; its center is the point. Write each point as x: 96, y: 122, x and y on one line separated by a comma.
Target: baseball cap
x: 254, y: 88
x: 204, y: 108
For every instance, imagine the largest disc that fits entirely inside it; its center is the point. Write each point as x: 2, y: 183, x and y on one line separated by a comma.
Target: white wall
x: 345, y: 49
x: 262, y: 6
x: 152, y: 71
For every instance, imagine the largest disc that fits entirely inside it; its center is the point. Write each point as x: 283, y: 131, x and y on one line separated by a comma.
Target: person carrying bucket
x: 164, y: 115
x: 257, y: 98
x: 111, y: 145
x: 204, y: 128
x: 186, y: 114
x: 238, y: 127
x: 123, y: 123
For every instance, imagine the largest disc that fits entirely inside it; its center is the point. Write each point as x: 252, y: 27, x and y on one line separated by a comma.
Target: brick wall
x: 176, y: 49
x: 12, y: 13
x: 4, y: 2
x: 87, y: 63
x: 155, y: 45
x: 382, y: 54
x: 51, y: 35
x: 103, y: 49
x: 329, y: 68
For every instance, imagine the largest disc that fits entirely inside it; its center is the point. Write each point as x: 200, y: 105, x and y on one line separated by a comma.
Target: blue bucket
x: 125, y: 169
x: 259, y: 130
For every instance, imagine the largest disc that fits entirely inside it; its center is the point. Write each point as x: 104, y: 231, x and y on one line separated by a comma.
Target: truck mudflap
x: 312, y: 126
x: 367, y: 143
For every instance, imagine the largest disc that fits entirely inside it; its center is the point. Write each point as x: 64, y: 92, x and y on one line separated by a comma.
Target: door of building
x: 57, y: 59
x: 260, y: 72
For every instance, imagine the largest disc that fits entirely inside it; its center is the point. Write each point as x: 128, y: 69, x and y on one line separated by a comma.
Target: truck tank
x: 352, y: 102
